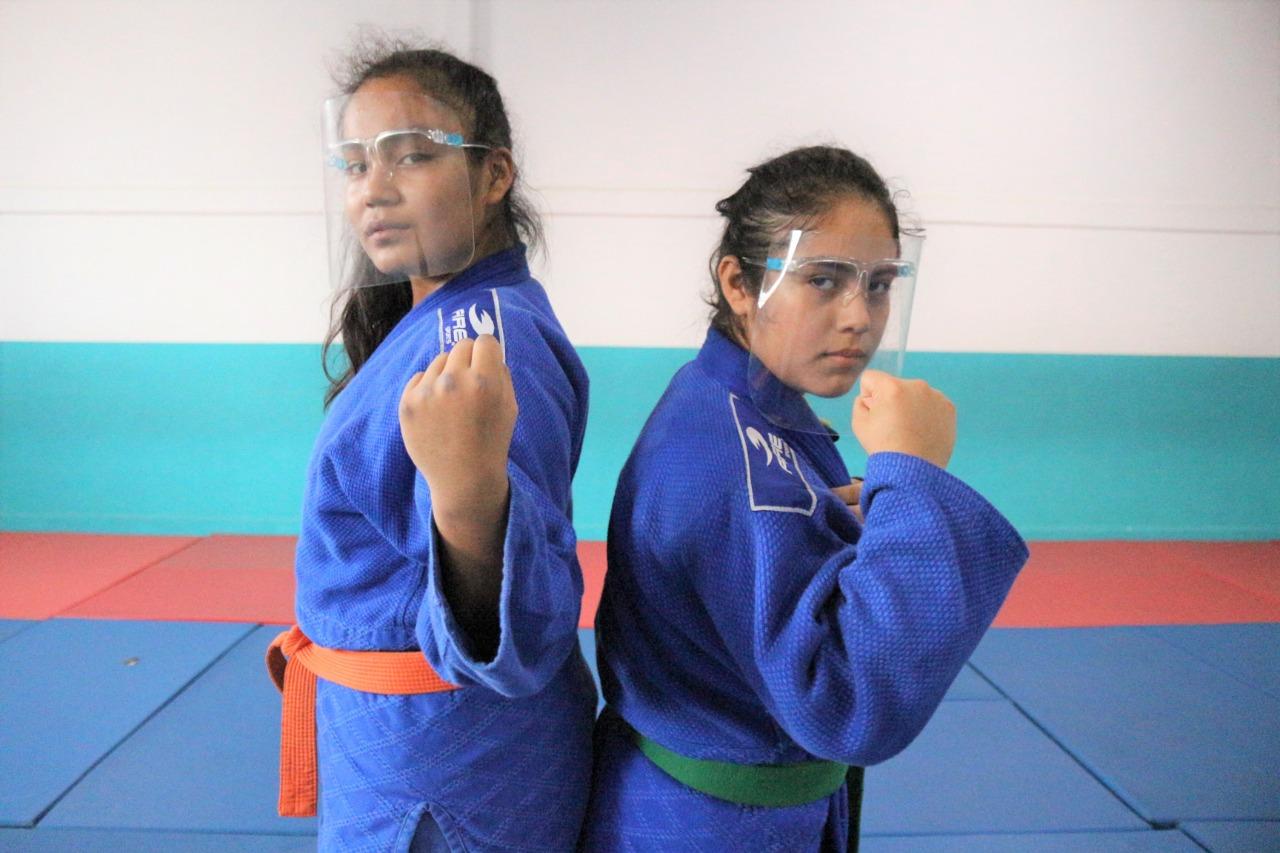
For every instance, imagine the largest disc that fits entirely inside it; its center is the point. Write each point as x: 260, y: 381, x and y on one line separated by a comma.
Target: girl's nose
x: 380, y: 185
x: 855, y: 314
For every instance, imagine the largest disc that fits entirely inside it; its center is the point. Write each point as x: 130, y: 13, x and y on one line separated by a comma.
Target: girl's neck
x: 490, y: 244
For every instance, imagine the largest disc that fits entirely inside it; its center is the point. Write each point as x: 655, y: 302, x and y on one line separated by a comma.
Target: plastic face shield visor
x: 829, y: 307
x: 398, y: 199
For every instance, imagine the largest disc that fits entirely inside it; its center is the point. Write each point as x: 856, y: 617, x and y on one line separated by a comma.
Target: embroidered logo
x: 481, y: 317
x: 481, y: 321
x: 775, y: 450
x: 457, y: 329
x: 753, y: 435
x: 775, y: 479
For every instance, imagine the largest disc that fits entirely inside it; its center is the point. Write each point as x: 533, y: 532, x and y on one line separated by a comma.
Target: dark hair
x: 790, y: 190
x: 365, y: 315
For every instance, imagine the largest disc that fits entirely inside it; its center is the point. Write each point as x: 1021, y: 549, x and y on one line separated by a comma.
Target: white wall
x: 1094, y: 176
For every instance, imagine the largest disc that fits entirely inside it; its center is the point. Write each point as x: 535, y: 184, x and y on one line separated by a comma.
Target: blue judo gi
x: 748, y: 617
x: 504, y: 762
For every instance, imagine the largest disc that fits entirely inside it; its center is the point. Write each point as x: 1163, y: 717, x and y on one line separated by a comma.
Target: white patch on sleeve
x: 775, y: 478
x: 476, y: 314
x: 480, y: 321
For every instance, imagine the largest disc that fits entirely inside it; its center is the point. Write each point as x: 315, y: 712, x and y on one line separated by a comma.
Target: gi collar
x: 727, y: 363
x: 501, y: 269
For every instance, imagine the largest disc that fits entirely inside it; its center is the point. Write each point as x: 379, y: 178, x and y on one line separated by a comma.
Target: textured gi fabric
x: 748, y: 617
x: 504, y: 762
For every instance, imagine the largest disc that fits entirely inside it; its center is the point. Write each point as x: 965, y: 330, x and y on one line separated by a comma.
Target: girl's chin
x: 831, y: 387
x: 414, y: 265
x: 388, y: 264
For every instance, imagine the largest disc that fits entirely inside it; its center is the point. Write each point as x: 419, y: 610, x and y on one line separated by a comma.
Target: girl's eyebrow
x: 826, y: 262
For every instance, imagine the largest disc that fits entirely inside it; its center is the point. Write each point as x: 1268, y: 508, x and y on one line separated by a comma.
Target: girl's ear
x: 499, y: 173
x: 734, y: 287
x: 733, y: 284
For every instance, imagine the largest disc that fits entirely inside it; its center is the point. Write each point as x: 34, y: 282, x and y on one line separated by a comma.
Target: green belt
x: 749, y: 784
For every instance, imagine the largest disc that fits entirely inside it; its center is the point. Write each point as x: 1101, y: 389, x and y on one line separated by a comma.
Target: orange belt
x: 398, y: 673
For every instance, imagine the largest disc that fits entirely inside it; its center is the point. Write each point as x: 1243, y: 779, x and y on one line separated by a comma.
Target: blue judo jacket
x: 503, y: 762
x: 748, y: 617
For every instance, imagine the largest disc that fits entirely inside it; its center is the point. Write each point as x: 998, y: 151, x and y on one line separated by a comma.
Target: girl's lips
x: 847, y: 353
x: 382, y: 227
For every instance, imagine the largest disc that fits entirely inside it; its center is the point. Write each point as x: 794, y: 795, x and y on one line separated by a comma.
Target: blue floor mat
x: 10, y: 627
x: 1143, y: 841
x: 587, y: 642
x: 1236, y: 836
x: 208, y: 762
x: 969, y: 686
x: 71, y: 690
x: 43, y: 840
x: 1177, y: 738
x: 1249, y: 652
x: 981, y: 767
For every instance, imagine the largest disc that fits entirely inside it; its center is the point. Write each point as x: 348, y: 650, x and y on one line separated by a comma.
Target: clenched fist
x: 904, y: 416
x: 457, y: 418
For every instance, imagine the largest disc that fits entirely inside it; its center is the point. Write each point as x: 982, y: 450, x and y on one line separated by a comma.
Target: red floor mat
x: 237, y: 552
x: 44, y: 573
x: 204, y: 595
x: 1254, y: 566
x: 592, y: 557
x: 1092, y: 584
x: 250, y: 579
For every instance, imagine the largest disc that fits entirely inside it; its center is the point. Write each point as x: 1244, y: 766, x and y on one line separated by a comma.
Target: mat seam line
x: 129, y: 734
x: 58, y: 614
x: 1229, y: 581
x: 1214, y: 666
x: 1069, y: 753
x: 1177, y: 556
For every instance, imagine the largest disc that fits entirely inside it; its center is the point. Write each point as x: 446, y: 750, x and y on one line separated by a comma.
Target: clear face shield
x: 831, y: 305
x: 397, y: 189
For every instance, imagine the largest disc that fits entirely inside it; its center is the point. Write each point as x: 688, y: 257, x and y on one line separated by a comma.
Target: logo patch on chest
x: 775, y: 479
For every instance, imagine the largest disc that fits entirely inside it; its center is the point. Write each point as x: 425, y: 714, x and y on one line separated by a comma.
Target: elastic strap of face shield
x: 779, y: 265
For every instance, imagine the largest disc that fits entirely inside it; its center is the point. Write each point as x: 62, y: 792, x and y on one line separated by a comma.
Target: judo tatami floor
x: 1128, y: 699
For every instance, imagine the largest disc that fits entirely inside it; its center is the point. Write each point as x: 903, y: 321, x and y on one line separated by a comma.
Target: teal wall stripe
x: 214, y: 438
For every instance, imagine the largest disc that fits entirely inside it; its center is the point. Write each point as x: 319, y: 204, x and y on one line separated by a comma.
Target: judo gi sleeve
x: 542, y: 584
x: 852, y: 640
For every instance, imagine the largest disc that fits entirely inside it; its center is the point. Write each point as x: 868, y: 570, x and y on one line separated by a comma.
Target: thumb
x: 870, y: 384
x: 871, y: 381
